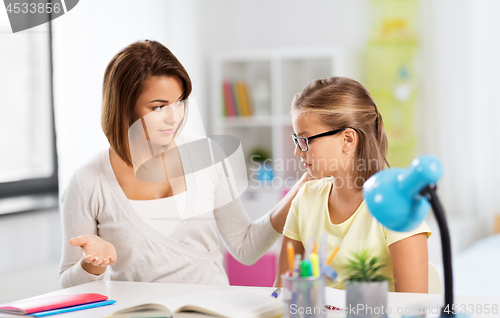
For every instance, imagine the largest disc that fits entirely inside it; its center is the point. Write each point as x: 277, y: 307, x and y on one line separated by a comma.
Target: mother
x: 111, y: 217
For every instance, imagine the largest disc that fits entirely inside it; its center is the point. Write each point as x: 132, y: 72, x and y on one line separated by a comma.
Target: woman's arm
x: 283, y: 267
x: 248, y: 241
x: 280, y: 211
x: 410, y: 264
x: 78, y: 220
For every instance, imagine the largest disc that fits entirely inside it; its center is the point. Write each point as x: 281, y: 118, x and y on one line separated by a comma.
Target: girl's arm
x: 283, y: 266
x: 410, y: 264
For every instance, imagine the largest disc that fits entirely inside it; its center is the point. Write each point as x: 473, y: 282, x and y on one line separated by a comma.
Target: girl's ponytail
x: 381, y: 136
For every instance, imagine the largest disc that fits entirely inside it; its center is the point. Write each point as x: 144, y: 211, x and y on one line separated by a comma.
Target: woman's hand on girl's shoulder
x: 306, y: 177
x: 96, y: 252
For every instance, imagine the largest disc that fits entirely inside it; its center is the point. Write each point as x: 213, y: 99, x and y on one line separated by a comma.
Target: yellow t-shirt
x: 309, y: 218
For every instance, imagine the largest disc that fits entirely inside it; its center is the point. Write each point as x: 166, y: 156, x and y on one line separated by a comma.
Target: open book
x: 240, y: 303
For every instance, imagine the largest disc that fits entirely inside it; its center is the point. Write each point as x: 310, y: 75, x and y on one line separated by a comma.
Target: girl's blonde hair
x: 341, y: 102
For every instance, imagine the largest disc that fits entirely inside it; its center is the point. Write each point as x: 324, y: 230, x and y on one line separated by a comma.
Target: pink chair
x: 262, y: 273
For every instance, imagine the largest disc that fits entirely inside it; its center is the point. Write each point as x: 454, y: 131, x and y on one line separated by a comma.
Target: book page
x: 142, y: 309
x: 229, y: 303
x: 232, y: 303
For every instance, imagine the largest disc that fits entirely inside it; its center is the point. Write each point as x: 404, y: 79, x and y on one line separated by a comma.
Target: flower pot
x: 265, y: 172
x: 366, y: 299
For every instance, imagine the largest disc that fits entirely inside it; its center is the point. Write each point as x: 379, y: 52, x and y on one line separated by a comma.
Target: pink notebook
x: 30, y: 306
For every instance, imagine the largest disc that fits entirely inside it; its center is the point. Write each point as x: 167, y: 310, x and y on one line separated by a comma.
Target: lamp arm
x: 430, y: 194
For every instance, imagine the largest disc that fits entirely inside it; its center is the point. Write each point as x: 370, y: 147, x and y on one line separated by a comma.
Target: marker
x: 309, y: 247
x: 296, y: 274
x: 276, y: 292
x: 305, y: 269
x: 291, y: 254
x: 329, y: 272
x: 314, y: 264
x: 322, y: 249
x: 296, y: 269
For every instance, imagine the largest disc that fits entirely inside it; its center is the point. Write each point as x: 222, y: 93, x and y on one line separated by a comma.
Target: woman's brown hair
x: 124, y: 80
x: 342, y: 102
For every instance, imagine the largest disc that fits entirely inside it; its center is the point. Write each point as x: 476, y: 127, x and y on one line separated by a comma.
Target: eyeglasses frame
x: 307, y: 139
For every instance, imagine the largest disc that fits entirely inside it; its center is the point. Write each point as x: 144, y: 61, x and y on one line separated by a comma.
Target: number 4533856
x: 33, y: 8
x: 472, y: 309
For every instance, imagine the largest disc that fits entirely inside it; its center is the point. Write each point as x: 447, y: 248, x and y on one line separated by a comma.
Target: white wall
x: 460, y: 106
x: 251, y: 25
x: 31, y: 250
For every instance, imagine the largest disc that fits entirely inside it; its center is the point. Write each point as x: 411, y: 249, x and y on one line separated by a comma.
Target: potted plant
x: 261, y: 157
x: 366, y: 288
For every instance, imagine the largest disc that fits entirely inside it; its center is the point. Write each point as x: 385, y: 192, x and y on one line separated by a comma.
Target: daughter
x: 340, y: 138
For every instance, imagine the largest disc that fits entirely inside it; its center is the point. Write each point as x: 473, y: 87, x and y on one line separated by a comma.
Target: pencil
x: 328, y: 261
x: 291, y: 256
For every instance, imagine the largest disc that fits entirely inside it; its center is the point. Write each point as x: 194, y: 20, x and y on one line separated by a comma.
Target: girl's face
x: 325, y: 156
x: 160, y: 108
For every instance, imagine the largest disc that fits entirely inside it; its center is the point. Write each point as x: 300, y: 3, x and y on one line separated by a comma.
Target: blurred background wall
x: 455, y: 74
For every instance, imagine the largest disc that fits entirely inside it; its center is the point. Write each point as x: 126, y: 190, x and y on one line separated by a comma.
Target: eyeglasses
x: 303, y: 142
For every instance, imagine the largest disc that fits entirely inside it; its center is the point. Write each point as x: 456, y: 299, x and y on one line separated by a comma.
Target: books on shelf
x: 236, y: 99
x: 229, y: 303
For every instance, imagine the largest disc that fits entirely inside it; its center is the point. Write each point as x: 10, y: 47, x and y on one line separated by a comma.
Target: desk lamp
x: 400, y: 200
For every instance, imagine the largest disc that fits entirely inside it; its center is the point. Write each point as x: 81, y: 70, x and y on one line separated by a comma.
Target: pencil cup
x: 304, y: 297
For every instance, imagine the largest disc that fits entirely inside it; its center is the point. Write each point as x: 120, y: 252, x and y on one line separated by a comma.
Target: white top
x: 164, y: 214
x: 94, y: 203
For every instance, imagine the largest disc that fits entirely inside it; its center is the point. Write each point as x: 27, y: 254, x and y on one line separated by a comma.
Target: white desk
x: 401, y: 302
x: 130, y: 293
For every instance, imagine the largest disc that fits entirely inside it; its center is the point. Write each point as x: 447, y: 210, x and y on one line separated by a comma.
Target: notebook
x: 229, y: 303
x: 72, y: 308
x: 38, y: 304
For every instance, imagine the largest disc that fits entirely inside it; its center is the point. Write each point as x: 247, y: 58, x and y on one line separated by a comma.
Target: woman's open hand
x: 96, y: 252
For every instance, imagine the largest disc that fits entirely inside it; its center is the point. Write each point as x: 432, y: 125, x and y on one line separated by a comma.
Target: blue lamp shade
x: 393, y: 195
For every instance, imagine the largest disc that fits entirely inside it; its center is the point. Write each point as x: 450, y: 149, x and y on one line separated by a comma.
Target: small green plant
x: 363, y: 268
x: 259, y: 154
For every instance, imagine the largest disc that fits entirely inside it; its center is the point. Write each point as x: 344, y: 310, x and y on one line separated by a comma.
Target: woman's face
x: 324, y: 157
x: 160, y: 107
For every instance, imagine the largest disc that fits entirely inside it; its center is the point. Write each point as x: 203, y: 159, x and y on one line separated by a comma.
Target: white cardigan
x: 94, y: 203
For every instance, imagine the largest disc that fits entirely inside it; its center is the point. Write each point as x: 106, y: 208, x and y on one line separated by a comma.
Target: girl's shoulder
x: 314, y: 187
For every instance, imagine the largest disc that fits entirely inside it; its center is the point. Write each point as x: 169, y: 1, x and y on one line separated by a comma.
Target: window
x: 28, y: 159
